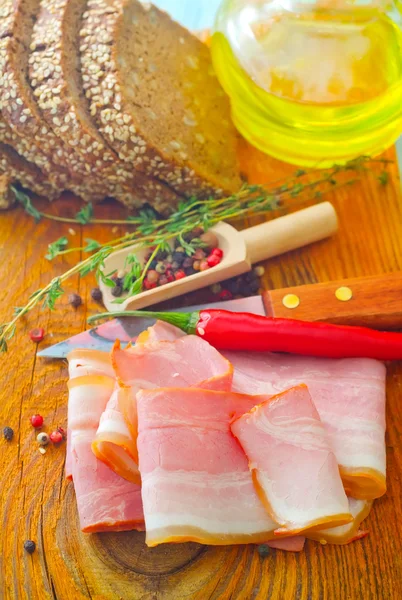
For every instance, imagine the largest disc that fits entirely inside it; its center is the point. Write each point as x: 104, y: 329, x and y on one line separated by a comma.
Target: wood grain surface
x: 36, y: 503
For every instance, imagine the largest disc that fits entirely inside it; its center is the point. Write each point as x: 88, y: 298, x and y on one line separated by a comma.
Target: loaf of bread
x: 112, y: 98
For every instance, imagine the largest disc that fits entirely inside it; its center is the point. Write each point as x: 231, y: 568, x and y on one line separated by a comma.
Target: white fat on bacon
x: 293, y: 466
x: 345, y: 534
x: 196, y: 484
x: 106, y: 502
x: 349, y: 395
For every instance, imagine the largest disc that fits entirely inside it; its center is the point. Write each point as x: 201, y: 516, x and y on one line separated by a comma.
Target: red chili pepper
x: 254, y: 333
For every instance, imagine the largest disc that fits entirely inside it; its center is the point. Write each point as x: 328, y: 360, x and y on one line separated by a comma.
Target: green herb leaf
x: 383, y: 177
x: 26, y: 202
x: 92, y: 245
x: 18, y: 310
x: 56, y: 247
x: 119, y: 300
x: 53, y: 294
x: 85, y: 215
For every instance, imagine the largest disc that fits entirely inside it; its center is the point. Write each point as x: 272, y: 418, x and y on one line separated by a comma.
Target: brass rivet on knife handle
x: 344, y: 293
x: 291, y: 301
x: 376, y: 302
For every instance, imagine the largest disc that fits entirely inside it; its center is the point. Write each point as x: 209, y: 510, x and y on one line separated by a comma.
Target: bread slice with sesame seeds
x: 7, y: 198
x: 21, y: 171
x: 40, y: 184
x: 55, y: 76
x: 20, y: 111
x: 155, y: 98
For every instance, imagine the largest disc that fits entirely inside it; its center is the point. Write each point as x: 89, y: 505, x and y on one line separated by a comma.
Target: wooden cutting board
x: 36, y: 503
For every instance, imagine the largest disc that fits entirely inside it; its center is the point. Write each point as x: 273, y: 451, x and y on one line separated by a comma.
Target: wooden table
x: 36, y: 503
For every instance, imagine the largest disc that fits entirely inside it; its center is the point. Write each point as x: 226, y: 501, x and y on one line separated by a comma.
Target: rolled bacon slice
x: 114, y: 444
x: 294, y: 469
x: 345, y: 534
x: 105, y: 501
x: 85, y: 362
x: 349, y: 395
x: 196, y: 484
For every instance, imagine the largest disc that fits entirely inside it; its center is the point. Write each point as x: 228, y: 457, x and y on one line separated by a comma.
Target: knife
x: 365, y: 301
x: 104, y: 336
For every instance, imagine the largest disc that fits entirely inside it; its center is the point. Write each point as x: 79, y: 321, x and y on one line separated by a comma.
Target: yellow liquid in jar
x: 313, y: 92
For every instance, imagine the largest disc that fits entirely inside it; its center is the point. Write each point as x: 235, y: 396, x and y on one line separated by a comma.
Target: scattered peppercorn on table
x: 37, y: 504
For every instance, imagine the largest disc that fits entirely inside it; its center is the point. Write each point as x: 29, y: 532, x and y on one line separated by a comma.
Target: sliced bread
x: 19, y: 108
x: 21, y: 171
x: 55, y: 76
x: 155, y: 98
x: 7, y: 198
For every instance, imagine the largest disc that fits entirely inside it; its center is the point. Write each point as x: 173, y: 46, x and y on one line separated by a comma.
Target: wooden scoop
x: 241, y: 249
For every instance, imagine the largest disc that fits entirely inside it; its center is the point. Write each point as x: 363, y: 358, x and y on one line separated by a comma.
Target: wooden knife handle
x: 376, y: 302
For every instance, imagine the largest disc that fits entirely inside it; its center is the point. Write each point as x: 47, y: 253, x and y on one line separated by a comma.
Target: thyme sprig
x: 153, y: 231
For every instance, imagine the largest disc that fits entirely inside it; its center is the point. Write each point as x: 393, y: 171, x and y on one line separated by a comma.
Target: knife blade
x: 104, y: 336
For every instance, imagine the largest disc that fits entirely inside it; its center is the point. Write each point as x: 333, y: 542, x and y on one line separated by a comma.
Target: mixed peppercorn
x: 193, y: 253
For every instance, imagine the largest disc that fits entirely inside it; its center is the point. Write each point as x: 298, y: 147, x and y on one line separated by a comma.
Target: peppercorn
x: 213, y: 260
x: 187, y: 262
x: 96, y: 295
x: 216, y: 288
x: 199, y: 254
x: 163, y: 280
x: 178, y: 257
x: 37, y: 334
x: 169, y: 259
x: 233, y: 285
x: 152, y: 276
x: 36, y: 421
x: 225, y: 295
x: 250, y: 276
x: 149, y: 285
x: 217, y: 251
x: 259, y: 270
x: 254, y: 286
x: 175, y: 266
x: 117, y: 291
x: 264, y: 550
x: 162, y: 254
x: 29, y: 546
x: 119, y: 281
x: 210, y: 239
x: 169, y: 276
x: 161, y: 268
x: 8, y: 433
x: 190, y: 271
x: 196, y: 265
x: 42, y: 439
x: 179, y: 274
x: 152, y: 264
x: 56, y: 437
x: 204, y: 265
x: 75, y: 300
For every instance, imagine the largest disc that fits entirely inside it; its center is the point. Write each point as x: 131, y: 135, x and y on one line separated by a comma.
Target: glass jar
x: 311, y: 82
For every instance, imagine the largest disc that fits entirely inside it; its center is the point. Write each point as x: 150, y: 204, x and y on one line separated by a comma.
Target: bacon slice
x: 345, y: 534
x: 160, y: 332
x: 114, y: 444
x: 187, y: 361
x: 105, y: 501
x: 89, y: 362
x: 196, y: 484
x: 294, y: 469
x: 349, y: 395
x: 291, y: 544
